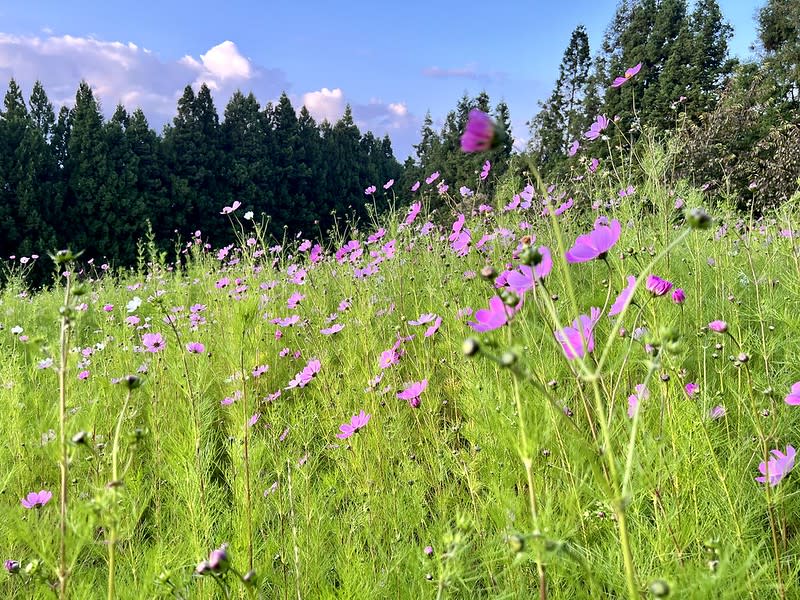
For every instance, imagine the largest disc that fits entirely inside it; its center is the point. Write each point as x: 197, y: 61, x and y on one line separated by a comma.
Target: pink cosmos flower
x: 36, y: 499
x: 595, y: 244
x: 718, y: 326
x: 415, y: 187
x: 195, y: 348
x: 628, y: 74
x: 777, y: 467
x: 679, y: 296
x: 479, y: 132
x: 573, y: 149
x: 433, y: 328
x: 619, y: 303
x: 593, y: 164
x: 494, y: 317
x: 793, y: 399
x: 413, y: 211
x: 388, y: 184
x: 335, y: 328
x: 423, y: 319
x: 657, y: 286
x: 356, y: 423
x: 413, y: 392
x: 153, y: 342
x: 691, y: 389
x: 578, y: 340
x: 487, y: 166
x: 83, y: 375
x: 717, y: 412
x: 229, y: 209
x: 524, y: 277
x: 642, y: 393
x: 432, y: 177
x: 596, y: 128
x: 370, y: 190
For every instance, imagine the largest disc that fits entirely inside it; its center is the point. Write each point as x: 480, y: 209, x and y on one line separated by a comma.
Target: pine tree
x: 779, y: 33
x: 14, y: 124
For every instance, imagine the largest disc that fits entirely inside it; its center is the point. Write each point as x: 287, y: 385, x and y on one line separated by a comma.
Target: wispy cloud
x: 467, y: 72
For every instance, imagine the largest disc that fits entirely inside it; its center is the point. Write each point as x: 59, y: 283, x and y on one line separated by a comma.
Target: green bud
x: 509, y: 298
x: 698, y: 219
x: 517, y: 543
x: 489, y: 273
x: 470, y: 347
x: 659, y: 588
x: 530, y: 256
x: 508, y: 358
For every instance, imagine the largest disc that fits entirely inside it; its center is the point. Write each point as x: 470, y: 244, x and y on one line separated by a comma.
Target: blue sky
x: 391, y: 61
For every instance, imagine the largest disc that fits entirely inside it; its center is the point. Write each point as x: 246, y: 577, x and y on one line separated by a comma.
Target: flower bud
x: 698, y: 219
x: 659, y: 588
x: 470, y: 347
x: 12, y: 566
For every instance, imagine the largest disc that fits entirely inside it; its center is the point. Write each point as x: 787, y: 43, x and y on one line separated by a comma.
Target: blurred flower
x: 691, y: 389
x: 718, y: 326
x: 619, y: 303
x: 717, y: 412
x: 777, y: 467
x: 356, y: 423
x: 657, y: 286
x: 578, y: 340
x: 488, y: 319
x: 678, y: 296
x: 642, y: 393
x: 413, y: 392
x: 793, y: 399
x: 485, y: 171
x: 573, y: 149
x: 229, y: 209
x: 195, y: 347
x: 479, y: 133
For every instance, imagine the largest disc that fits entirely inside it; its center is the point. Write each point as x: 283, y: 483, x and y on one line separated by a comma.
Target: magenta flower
x: 657, y: 286
x: 413, y: 392
x: 718, y: 326
x: 717, y: 412
x: 36, y: 499
x: 195, y: 348
x: 423, y: 319
x: 642, y: 393
x: 793, y: 399
x: 357, y: 422
x: 578, y: 340
x: 432, y: 177
x: 628, y: 75
x: 595, y: 244
x: 370, y: 190
x: 488, y: 319
x: 777, y: 467
x: 479, y: 133
x: 524, y: 277
x: 388, y: 184
x: 83, y: 375
x: 413, y: 211
x: 153, y: 342
x: 679, y: 296
x: 433, y: 328
x: 691, y: 389
x: 335, y: 328
x: 596, y: 128
x: 619, y: 303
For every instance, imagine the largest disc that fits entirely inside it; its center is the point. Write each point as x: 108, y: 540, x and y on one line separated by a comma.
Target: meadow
x: 575, y: 391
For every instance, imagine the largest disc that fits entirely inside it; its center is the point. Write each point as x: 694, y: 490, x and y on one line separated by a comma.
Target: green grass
x: 350, y: 518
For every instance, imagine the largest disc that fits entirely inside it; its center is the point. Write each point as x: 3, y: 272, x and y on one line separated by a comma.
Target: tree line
x: 76, y: 179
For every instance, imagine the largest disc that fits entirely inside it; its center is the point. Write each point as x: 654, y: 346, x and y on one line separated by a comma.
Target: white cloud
x: 127, y: 73
x: 467, y: 72
x: 325, y: 104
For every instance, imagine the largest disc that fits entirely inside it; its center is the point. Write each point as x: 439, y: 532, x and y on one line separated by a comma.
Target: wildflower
x: 248, y: 216
x: 428, y: 550
x: 433, y: 328
x: 12, y: 566
x: 413, y: 392
x: 657, y: 286
x: 479, y: 133
x: 487, y: 166
x: 335, y: 328
x: 357, y: 422
x: 153, y: 342
x: 133, y: 304
x: 260, y: 370
x: 108, y: 307
x: 413, y: 211
x: 578, y: 340
x: 254, y: 419
x: 195, y: 347
x: 573, y: 149
x: 423, y: 319
x: 488, y: 319
x: 777, y: 467
x: 793, y: 399
x: 595, y: 244
x: 623, y: 297
x: 717, y: 412
x: 229, y: 209
x: 691, y: 389
x: 596, y: 128
x: 370, y: 190
x: 218, y: 559
x: 415, y: 187
x: 593, y: 164
x: 432, y: 177
x: 629, y: 73
x: 83, y: 375
x: 678, y: 296
x: 388, y: 184
x: 36, y: 499
x: 718, y: 326
x: 642, y: 393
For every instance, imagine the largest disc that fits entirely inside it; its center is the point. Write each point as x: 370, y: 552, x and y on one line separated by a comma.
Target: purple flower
x: 195, y: 348
x: 370, y: 190
x: 413, y: 392
x: 628, y: 74
x: 793, y: 399
x: 642, y: 393
x: 356, y: 423
x: 335, y: 328
x: 691, y: 389
x: 573, y: 149
x: 428, y: 550
x: 153, y: 342
x: 619, y: 303
x: 525, y: 277
x: 218, y: 559
x: 657, y: 286
x: 578, y: 340
x: 479, y: 133
x: 488, y: 319
x: 776, y: 467
x: 36, y: 499
x: 487, y: 166
x: 12, y: 566
x: 718, y: 326
x: 596, y: 128
x: 433, y: 328
x: 595, y: 244
x: 678, y: 296
x: 423, y: 319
